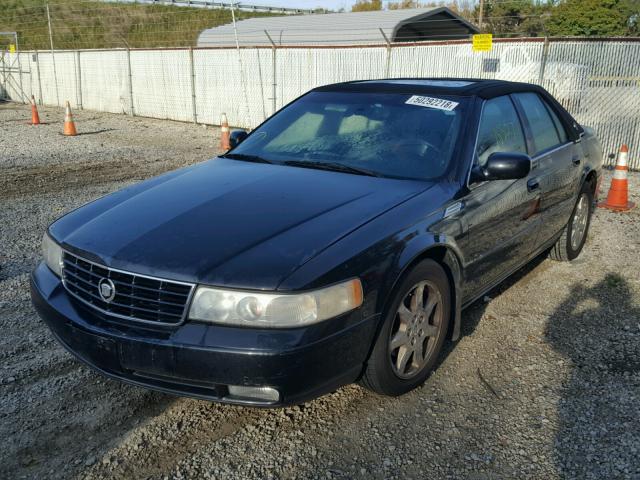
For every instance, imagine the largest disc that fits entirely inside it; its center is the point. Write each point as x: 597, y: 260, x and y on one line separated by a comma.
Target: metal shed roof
x: 350, y: 28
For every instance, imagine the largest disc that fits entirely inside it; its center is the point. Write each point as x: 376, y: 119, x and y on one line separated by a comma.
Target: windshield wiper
x: 246, y: 158
x: 334, y: 167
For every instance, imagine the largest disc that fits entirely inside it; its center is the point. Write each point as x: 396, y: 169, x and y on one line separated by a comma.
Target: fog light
x: 254, y: 393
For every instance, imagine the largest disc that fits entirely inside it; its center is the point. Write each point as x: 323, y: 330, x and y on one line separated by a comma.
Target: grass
x: 80, y: 24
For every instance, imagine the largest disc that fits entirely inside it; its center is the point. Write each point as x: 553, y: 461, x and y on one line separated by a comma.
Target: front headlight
x: 52, y: 254
x: 264, y: 310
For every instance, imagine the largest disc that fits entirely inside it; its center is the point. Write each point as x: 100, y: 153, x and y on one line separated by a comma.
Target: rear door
x: 500, y: 215
x: 556, y: 160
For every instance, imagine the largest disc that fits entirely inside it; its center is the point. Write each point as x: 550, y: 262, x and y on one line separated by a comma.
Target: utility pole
x: 480, y: 15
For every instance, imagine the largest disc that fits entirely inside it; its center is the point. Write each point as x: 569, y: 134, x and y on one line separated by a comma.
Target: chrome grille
x: 137, y: 297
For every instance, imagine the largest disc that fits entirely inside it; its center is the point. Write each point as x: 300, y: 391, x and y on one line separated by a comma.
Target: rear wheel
x: 414, y: 330
x: 574, y: 235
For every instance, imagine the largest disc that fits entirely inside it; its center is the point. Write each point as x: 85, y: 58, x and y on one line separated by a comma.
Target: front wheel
x: 574, y: 235
x: 414, y: 330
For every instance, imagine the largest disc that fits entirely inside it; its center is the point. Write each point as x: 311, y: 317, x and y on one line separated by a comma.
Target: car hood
x: 227, y: 222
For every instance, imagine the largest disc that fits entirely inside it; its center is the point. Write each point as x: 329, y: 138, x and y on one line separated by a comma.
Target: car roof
x: 484, y: 88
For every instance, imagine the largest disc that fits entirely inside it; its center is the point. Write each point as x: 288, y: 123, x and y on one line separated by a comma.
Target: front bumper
x: 199, y: 360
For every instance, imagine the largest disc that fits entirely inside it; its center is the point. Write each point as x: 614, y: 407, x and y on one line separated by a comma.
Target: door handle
x: 533, y: 184
x: 576, y: 161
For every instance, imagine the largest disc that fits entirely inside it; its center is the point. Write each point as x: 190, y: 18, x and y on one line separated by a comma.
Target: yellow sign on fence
x: 12, y: 48
x: 482, y: 42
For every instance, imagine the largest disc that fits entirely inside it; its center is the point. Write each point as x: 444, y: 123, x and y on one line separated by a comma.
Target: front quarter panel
x: 382, y: 250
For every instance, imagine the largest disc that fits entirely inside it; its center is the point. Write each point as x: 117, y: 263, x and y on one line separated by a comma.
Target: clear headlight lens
x: 52, y: 254
x: 266, y: 310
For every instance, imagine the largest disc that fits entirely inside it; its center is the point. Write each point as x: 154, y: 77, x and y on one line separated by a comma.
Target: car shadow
x: 597, y: 330
x: 96, y: 131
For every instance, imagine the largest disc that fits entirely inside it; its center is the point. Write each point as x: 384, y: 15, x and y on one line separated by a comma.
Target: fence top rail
x: 368, y: 45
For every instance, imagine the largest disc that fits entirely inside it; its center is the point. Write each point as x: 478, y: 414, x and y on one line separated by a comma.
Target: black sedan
x: 337, y: 242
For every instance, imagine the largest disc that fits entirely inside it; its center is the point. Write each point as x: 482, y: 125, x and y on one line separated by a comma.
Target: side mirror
x: 236, y: 137
x: 503, y: 166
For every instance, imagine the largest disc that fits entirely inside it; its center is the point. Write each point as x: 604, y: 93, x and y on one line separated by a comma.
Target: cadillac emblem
x: 106, y: 289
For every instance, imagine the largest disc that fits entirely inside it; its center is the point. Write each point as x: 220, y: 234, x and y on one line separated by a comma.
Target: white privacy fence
x: 598, y: 81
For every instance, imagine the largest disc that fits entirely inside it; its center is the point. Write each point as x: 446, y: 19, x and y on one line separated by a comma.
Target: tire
x: 421, y: 331
x: 574, y: 234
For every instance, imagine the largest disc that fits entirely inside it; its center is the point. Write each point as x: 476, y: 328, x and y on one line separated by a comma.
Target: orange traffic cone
x: 35, y: 118
x: 69, y: 126
x: 224, y: 133
x: 618, y: 197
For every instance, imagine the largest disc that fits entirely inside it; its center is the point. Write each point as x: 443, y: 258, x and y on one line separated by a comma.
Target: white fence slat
x: 597, y: 81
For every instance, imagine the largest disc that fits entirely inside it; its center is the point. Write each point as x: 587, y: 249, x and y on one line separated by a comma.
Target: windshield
x: 391, y: 135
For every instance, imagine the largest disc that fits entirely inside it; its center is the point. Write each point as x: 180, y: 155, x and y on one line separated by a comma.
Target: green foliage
x: 532, y: 18
x: 602, y: 18
x: 95, y: 24
x: 562, y: 17
x: 518, y: 18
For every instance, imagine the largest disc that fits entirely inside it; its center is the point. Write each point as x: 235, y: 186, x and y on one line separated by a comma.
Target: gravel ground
x: 544, y: 382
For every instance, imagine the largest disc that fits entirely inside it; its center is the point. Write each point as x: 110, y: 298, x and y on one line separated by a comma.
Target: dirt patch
x: 62, y: 177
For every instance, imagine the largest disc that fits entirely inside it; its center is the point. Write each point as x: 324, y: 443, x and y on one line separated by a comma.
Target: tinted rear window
x: 562, y: 133
x: 545, y: 135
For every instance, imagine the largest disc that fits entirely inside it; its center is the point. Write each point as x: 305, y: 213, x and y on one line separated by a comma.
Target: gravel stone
x: 558, y: 342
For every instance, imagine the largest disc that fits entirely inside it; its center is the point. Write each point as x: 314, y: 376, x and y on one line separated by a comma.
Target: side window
x: 543, y: 129
x: 500, y: 129
x: 562, y: 133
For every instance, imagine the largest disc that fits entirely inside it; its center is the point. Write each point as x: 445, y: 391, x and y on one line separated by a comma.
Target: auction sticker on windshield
x: 431, y: 102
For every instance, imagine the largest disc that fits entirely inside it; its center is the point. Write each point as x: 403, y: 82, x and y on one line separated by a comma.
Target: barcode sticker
x: 431, y: 102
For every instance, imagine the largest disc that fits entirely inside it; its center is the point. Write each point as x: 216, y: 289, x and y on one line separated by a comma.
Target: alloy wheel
x: 415, y: 329
x: 579, y: 223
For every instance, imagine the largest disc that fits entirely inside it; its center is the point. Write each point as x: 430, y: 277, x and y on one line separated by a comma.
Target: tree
x: 602, y: 18
x: 464, y: 8
x: 515, y: 18
x: 367, y: 5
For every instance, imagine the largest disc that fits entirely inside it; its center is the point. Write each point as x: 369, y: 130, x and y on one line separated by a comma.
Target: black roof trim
x: 482, y: 88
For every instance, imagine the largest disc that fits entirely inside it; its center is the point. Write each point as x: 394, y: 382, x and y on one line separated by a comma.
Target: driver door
x: 501, y: 215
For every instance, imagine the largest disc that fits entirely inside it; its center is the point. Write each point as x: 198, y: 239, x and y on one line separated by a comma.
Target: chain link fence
x: 598, y: 81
